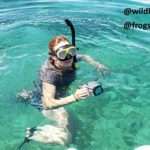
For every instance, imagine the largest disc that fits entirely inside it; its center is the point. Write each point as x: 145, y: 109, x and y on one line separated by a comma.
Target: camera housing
x: 94, y: 87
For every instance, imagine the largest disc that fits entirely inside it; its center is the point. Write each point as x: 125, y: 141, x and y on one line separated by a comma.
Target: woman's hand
x: 103, y: 69
x: 82, y: 93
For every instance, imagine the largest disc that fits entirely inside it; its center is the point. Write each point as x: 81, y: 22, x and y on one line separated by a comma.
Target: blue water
x: 116, y: 120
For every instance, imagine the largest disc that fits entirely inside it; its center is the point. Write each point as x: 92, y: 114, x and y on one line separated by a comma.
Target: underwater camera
x: 94, y: 87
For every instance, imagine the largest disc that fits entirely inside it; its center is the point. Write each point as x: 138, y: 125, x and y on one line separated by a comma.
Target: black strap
x: 26, y: 139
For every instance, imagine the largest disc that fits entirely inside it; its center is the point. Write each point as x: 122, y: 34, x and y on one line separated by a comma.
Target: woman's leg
x: 60, y: 116
x: 51, y: 134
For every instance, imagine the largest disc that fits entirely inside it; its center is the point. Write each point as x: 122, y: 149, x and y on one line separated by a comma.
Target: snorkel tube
x: 73, y: 35
x: 69, y: 23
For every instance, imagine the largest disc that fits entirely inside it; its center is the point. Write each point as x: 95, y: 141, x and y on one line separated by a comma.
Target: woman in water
x: 55, y: 75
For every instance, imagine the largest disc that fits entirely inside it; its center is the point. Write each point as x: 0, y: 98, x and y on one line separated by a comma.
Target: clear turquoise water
x: 116, y: 120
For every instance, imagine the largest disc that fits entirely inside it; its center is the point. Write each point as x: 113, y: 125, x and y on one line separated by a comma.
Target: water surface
x: 116, y: 120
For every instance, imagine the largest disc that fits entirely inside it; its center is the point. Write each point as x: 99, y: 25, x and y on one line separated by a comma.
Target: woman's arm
x: 91, y: 61
x: 49, y: 100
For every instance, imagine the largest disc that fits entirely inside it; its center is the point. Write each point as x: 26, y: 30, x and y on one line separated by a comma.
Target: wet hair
x: 56, y: 41
x: 53, y: 43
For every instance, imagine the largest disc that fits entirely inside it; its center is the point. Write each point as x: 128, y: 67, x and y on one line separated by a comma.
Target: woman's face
x: 65, y: 64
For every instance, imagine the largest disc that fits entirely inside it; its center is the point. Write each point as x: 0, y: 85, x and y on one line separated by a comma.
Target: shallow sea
x: 116, y: 120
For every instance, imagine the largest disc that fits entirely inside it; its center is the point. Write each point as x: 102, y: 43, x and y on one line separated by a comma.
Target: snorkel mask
x: 65, y: 52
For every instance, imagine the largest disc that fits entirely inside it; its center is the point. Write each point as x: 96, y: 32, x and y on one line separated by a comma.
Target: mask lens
x: 66, y: 52
x: 68, y: 57
x: 61, y: 55
x: 72, y: 51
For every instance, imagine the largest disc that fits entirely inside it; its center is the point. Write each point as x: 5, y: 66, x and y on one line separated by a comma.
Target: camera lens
x: 98, y: 90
